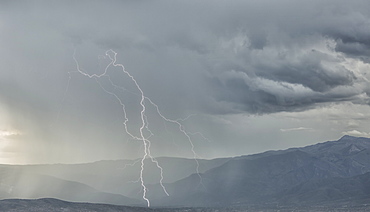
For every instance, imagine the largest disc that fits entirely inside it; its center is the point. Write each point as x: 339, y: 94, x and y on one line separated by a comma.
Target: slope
x: 16, y: 183
x: 265, y: 178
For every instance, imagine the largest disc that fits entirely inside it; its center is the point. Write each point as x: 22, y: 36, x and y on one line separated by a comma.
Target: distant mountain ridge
x: 98, y: 182
x: 328, y: 173
x: 274, y: 177
x: 16, y: 183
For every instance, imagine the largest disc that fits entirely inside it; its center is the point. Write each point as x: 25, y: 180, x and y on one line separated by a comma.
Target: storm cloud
x: 213, y: 58
x: 258, y: 57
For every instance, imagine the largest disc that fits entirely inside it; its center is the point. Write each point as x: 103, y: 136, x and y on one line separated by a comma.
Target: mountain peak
x: 347, y: 137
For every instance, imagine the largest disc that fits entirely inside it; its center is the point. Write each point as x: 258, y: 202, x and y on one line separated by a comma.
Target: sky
x: 240, y: 77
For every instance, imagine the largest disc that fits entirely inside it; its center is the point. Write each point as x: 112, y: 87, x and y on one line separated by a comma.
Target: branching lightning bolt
x: 144, y: 121
x: 182, y: 129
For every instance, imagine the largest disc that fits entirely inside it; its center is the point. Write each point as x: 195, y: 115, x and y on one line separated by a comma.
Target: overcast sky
x: 241, y: 77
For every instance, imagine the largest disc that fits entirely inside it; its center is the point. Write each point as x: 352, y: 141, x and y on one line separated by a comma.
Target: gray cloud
x: 190, y: 57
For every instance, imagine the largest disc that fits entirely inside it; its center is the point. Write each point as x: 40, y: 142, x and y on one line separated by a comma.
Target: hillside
x: 328, y: 172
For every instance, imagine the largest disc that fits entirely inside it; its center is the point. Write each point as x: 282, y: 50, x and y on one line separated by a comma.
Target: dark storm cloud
x: 276, y: 47
x: 296, y: 62
x: 309, y: 72
x: 258, y: 95
x: 354, y: 49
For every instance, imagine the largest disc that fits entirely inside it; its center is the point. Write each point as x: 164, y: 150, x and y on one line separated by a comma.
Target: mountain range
x: 325, y: 173
x: 328, y: 174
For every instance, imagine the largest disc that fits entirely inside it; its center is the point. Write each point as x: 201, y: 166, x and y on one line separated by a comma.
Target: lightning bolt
x: 144, y: 126
x: 182, y: 129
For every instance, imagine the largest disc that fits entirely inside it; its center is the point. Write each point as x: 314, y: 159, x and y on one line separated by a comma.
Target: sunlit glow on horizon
x: 5, y: 133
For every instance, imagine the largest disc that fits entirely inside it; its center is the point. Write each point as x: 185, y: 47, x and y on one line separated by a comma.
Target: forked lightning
x: 144, y: 126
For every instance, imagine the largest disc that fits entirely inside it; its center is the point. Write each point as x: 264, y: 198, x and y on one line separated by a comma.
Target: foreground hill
x: 55, y: 205
x: 51, y: 205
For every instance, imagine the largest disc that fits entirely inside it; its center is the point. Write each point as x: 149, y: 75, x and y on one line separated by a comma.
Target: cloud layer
x: 213, y: 58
